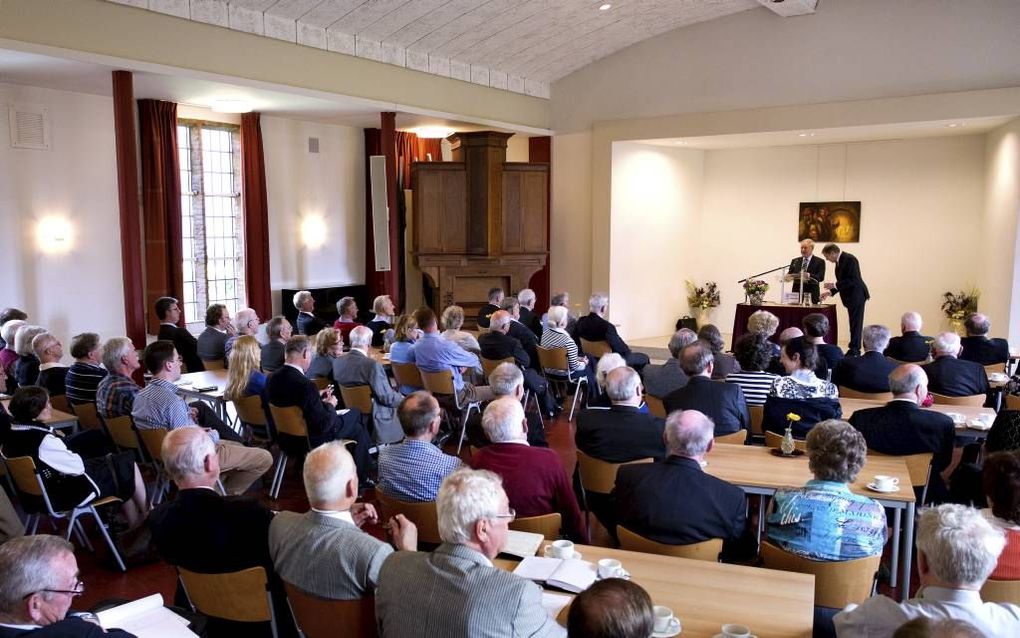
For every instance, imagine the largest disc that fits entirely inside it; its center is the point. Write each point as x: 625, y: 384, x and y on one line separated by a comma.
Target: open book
x: 146, y: 618
x: 567, y: 574
x: 521, y: 544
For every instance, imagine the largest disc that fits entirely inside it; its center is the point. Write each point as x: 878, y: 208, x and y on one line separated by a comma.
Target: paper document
x: 566, y: 574
x: 146, y: 618
x: 522, y: 544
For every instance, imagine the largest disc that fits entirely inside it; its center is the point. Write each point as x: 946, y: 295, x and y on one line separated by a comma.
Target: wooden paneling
x: 524, y: 208
x: 440, y: 207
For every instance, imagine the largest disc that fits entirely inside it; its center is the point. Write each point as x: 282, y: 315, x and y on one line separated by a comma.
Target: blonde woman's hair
x: 405, y: 326
x: 244, y: 359
x: 325, y: 339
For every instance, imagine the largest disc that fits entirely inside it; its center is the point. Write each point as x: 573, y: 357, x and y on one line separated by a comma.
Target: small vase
x: 788, y: 446
x: 755, y: 300
x: 702, y: 316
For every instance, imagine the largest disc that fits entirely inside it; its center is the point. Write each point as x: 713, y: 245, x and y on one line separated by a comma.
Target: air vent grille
x: 30, y: 127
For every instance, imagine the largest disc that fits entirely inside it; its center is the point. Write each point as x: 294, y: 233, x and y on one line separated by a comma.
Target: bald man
x: 811, y: 266
x: 977, y: 347
x: 911, y: 346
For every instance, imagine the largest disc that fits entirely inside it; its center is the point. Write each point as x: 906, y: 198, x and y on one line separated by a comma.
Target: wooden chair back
x: 837, y: 583
x: 241, y: 596
x: 597, y: 349
x: 488, y: 365
x: 918, y: 466
x: 249, y: 410
x: 407, y: 374
x: 289, y: 420
x: 995, y: 368
x: 320, y: 617
x: 22, y: 470
x: 737, y: 438
x: 554, y: 359
x: 706, y: 550
x: 423, y: 515
x: 975, y: 400
x: 357, y: 396
x: 439, y: 382
x: 60, y: 402
x: 655, y: 406
x: 122, y: 430
x: 1012, y: 402
x: 214, y: 364
x: 547, y: 525
x: 849, y: 393
x: 600, y: 476
x: 776, y: 440
x: 321, y: 383
x: 1001, y: 591
x: 757, y: 413
x: 152, y: 440
x: 88, y: 417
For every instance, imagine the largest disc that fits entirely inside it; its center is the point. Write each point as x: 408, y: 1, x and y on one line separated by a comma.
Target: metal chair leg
x: 106, y: 537
x: 281, y: 468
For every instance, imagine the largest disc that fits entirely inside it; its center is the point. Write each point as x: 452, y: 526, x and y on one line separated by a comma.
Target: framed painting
x: 838, y: 222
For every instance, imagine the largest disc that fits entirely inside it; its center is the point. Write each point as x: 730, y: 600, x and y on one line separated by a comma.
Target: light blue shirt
x: 403, y: 352
x: 413, y: 470
x: 432, y: 353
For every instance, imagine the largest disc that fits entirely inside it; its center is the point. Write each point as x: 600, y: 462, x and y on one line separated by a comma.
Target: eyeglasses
x: 79, y: 589
x: 511, y: 514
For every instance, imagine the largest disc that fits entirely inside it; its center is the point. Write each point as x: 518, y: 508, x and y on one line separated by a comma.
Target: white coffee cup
x: 561, y: 549
x: 610, y: 568
x: 734, y: 630
x: 885, y: 483
x: 664, y: 619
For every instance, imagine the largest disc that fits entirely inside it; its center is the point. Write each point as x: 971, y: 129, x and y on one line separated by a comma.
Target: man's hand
x: 404, y: 533
x: 194, y: 414
x: 230, y: 328
x: 364, y: 513
x: 824, y: 296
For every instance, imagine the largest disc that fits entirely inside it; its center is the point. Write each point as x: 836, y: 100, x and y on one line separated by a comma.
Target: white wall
x: 570, y: 225
x: 316, y: 205
x: 78, y: 287
x: 1000, y: 241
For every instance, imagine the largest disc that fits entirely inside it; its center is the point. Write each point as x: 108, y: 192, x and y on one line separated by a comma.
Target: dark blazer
x: 26, y: 371
x: 212, y: 344
x: 901, y: 427
x: 723, y: 402
x: 485, y: 314
x: 532, y: 321
x: 527, y: 338
x: 911, y: 347
x: 379, y: 329
x: 815, y: 269
x: 185, y: 343
x: 309, y: 325
x: 675, y: 502
x: 54, y: 380
x: 496, y: 345
x: 810, y: 411
x: 867, y: 373
x: 956, y: 378
x: 272, y: 356
x: 849, y: 285
x: 830, y: 356
x: 620, y: 434
x: 594, y: 328
x: 66, y: 628
x: 984, y: 350
x: 724, y: 365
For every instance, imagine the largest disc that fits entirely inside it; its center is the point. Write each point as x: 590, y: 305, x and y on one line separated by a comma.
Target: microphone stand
x: 782, y: 288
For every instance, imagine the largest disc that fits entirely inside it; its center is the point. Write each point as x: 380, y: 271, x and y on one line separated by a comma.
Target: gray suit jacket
x: 454, y: 591
x: 326, y: 556
x: 354, y: 368
x: 211, y: 343
x: 659, y: 381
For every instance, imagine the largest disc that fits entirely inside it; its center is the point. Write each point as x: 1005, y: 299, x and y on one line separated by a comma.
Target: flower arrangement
x: 756, y: 287
x: 957, y: 305
x: 702, y: 297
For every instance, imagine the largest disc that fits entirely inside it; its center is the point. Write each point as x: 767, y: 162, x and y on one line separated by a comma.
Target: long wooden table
x: 850, y: 406
x: 706, y: 595
x: 757, y: 471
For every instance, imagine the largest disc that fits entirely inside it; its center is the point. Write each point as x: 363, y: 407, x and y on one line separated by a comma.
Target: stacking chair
x: 597, y: 349
x: 214, y: 364
x: 407, y: 374
x: 30, y: 484
x: 249, y: 411
x: 655, y: 406
x: 423, y: 515
x: 1001, y: 591
x: 556, y: 366
x: 776, y: 440
x: 289, y: 420
x: 547, y: 525
x: 488, y: 365
x: 60, y: 402
x: 918, y: 468
x: 122, y: 430
x: 321, y: 383
x: 705, y: 550
x: 598, y: 477
x: 976, y: 400
x: 757, y: 413
x: 848, y: 393
x: 736, y: 438
x: 241, y: 596
x: 152, y: 441
x: 441, y: 384
x: 995, y: 368
x: 837, y: 583
x: 1012, y: 402
x: 88, y: 418
x: 357, y: 396
x: 319, y: 617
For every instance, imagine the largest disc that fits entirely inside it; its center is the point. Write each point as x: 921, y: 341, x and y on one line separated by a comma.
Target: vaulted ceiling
x: 515, y: 45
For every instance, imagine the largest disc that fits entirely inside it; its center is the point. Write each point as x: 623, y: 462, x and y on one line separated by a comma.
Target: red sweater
x: 345, y: 328
x: 535, y: 483
x: 1008, y: 567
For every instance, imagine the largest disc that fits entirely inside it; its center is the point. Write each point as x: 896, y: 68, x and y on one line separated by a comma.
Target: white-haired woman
x: 555, y: 336
x: 453, y: 319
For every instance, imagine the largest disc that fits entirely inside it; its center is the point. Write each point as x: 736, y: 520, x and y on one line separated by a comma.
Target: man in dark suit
x: 594, y: 327
x: 675, y: 501
x: 911, y: 346
x: 168, y: 310
x: 870, y: 372
x: 851, y: 289
x: 485, y: 314
x: 977, y: 347
x: 901, y: 427
x: 307, y: 323
x: 527, y: 313
x: 497, y: 344
x: 288, y: 387
x: 813, y: 268
x: 521, y: 332
x: 271, y: 358
x: 723, y: 402
x: 662, y: 380
x: 620, y: 433
x: 951, y: 376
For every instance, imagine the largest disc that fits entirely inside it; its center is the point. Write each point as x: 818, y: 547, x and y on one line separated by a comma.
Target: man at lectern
x: 811, y: 266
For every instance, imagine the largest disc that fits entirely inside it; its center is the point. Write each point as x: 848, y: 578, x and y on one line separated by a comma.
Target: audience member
x: 307, y: 323
x: 347, y: 308
x: 453, y: 319
x: 497, y: 344
x: 218, y: 328
x: 528, y: 317
x: 594, y: 327
x: 670, y: 376
x: 870, y: 371
x: 951, y: 376
x: 273, y: 353
x: 168, y: 311
x: 957, y: 549
x: 824, y: 520
x: 723, y: 402
x: 801, y: 393
x: 521, y: 332
x: 776, y: 365
x: 607, y: 363
x: 405, y: 334
x: 611, y: 608
x: 555, y: 336
x: 911, y: 346
x: 561, y: 299
x: 474, y: 597
x: 764, y: 323
x: 977, y: 347
x: 622, y: 433
x: 946, y: 628
x: 495, y: 296
x: 8, y: 356
x: 675, y: 502
x: 323, y: 552
x: 246, y: 322
x: 115, y: 395
x: 244, y: 378
x: 26, y: 368
x: 12, y: 314
x: 382, y: 323
x: 507, y: 380
x: 534, y: 478
x: 85, y: 374
x: 52, y: 374
x: 816, y: 326
x: 753, y: 352
x: 1000, y: 478
x: 356, y: 368
x: 432, y: 353
x: 723, y: 364
x: 413, y: 469
x: 329, y: 346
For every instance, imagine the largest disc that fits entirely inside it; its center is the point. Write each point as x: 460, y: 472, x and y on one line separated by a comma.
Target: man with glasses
x: 38, y: 580
x: 475, y: 598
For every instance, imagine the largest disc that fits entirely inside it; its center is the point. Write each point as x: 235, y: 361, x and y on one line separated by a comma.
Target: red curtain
x: 256, y: 216
x: 161, y: 203
x: 411, y: 148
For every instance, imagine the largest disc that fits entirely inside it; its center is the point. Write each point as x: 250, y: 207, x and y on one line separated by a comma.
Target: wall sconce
x: 313, y: 231
x: 54, y: 235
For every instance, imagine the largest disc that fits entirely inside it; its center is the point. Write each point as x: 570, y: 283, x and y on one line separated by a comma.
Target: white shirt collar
x: 305, y: 312
x: 52, y: 364
x: 3, y: 624
x: 296, y: 367
x: 340, y: 516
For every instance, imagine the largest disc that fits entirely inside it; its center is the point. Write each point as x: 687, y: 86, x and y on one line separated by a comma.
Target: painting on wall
x: 838, y: 222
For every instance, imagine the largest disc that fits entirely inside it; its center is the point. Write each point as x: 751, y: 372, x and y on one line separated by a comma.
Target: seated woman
x: 70, y: 479
x: 404, y: 335
x: 1001, y: 479
x: 244, y: 378
x: 816, y: 326
x: 724, y: 363
x: 753, y: 353
x: 801, y: 392
x: 328, y: 346
x: 26, y: 368
x: 453, y: 319
x: 348, y: 309
x: 8, y: 356
x: 555, y: 336
x: 824, y: 520
x: 764, y: 323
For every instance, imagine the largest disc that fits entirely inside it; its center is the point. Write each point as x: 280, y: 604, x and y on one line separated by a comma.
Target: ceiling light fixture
x: 433, y: 132
x: 954, y: 125
x: 805, y: 134
x: 606, y: 7
x: 232, y: 106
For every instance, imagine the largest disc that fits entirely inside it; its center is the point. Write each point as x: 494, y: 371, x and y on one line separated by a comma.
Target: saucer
x: 576, y: 556
x: 978, y: 424
x: 674, y: 630
x: 874, y: 488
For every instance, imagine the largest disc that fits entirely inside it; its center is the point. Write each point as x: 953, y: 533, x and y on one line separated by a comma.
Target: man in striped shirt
x: 413, y: 469
x: 84, y: 375
x: 115, y: 395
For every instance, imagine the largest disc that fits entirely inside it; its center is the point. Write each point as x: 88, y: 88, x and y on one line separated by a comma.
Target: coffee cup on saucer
x: 560, y: 549
x: 733, y: 630
x: 665, y: 621
x: 885, y: 483
x: 610, y: 568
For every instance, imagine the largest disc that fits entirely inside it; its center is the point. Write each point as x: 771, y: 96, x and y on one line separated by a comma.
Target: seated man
x: 611, y: 608
x: 528, y: 317
x: 413, y: 469
x: 41, y: 579
x: 246, y: 322
x: 870, y: 371
x: 776, y: 365
x: 289, y: 387
x: 159, y: 406
x: 534, y: 478
x: 621, y: 433
x: 357, y: 368
x: 901, y: 427
x: 669, y: 377
x: 722, y: 402
x: 911, y: 346
x: 594, y: 327
x: 218, y: 328
x: 495, y: 297
x: 168, y: 310
x: 474, y: 598
x: 675, y: 501
x: 954, y: 377
x: 115, y: 395
x: 521, y: 332
x: 498, y: 344
x: 273, y: 354
x: 977, y: 347
x: 307, y: 323
x: 323, y: 552
x: 561, y: 299
x: 432, y: 353
x: 957, y: 548
x: 52, y: 373
x: 507, y: 380
x: 85, y: 374
x: 347, y: 307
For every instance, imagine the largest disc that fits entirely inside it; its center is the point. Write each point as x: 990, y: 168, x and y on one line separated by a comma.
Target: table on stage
x: 789, y: 316
x: 756, y: 470
x: 705, y: 595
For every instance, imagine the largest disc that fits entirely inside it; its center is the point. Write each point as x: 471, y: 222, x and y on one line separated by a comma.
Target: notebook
x: 521, y: 544
x: 568, y: 574
x: 146, y: 618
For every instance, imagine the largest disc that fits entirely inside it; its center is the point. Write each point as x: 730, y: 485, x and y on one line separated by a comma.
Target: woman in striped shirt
x: 753, y: 352
x: 555, y: 336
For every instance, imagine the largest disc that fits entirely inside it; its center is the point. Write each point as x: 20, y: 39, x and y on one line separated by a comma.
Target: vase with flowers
x: 957, y: 306
x: 755, y: 290
x: 702, y: 299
